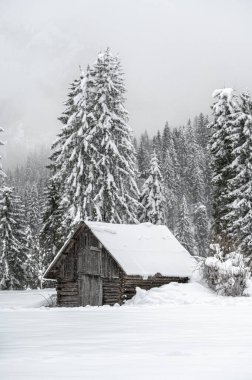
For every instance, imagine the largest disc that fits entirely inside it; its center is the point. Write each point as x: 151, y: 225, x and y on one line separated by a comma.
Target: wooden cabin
x: 102, y: 263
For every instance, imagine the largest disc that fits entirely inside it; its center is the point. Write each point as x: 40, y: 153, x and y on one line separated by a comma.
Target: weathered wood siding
x: 67, y: 293
x: 112, y: 291
x: 94, y: 259
x: 95, y: 266
x: 90, y: 290
x: 67, y: 284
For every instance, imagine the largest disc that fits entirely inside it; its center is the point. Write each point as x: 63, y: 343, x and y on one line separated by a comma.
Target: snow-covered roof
x: 142, y: 249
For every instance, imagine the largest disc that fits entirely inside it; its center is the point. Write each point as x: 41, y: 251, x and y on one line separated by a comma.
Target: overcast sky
x: 174, y: 54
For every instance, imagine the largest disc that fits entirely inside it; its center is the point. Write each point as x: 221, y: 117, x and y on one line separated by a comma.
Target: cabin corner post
x: 122, y: 288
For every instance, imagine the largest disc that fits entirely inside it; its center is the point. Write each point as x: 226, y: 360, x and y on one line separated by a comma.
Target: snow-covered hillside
x: 179, y: 331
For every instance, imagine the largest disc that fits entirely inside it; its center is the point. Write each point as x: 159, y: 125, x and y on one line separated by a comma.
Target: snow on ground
x: 178, y: 332
x: 25, y: 299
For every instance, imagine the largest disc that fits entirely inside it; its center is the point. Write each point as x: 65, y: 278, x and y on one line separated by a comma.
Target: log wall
x: 67, y: 293
x: 112, y: 291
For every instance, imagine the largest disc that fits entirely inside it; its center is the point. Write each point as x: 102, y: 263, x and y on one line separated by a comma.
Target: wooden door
x: 91, y: 290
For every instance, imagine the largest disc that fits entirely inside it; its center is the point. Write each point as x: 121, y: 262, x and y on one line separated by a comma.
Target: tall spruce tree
x: 169, y: 167
x: 201, y: 233
x: 184, y: 228
x: 80, y: 173
x: 94, y: 164
x: 201, y: 128
x: 143, y: 155
x: 2, y: 174
x: 52, y: 230
x: 111, y: 169
x: 55, y: 224
x: 194, y: 173
x: 152, y: 196
x: 12, y: 254
x: 223, y: 141
x: 240, y: 210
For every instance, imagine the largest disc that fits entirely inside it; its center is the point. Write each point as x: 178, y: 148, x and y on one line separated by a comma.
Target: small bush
x: 227, y: 275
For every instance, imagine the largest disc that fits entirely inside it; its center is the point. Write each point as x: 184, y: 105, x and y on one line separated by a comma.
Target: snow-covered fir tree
x: 110, y: 145
x: 194, y: 173
x: 223, y: 141
x: 103, y: 166
x: 201, y: 229
x: 201, y: 123
x: 2, y: 174
x: 157, y: 144
x: 52, y: 230
x: 143, y: 155
x: 184, y: 228
x: 93, y: 163
x: 240, y: 210
x: 169, y: 167
x: 79, y: 174
x: 12, y: 254
x: 36, y: 262
x: 55, y: 223
x: 152, y: 197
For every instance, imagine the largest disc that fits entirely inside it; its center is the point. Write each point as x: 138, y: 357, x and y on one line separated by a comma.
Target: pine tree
x: 59, y: 148
x: 202, y: 131
x: 152, y: 196
x: 34, y: 217
x: 157, y: 146
x: 12, y: 256
x: 2, y: 174
x: 35, y: 263
x: 52, y: 231
x: 222, y: 143
x: 169, y: 170
x: 240, y: 214
x: 184, y: 228
x: 179, y: 138
x: 55, y: 224
x: 170, y: 203
x: 200, y: 221
x: 166, y: 141
x: 80, y: 173
x: 108, y: 144
x: 194, y: 162
x: 143, y: 155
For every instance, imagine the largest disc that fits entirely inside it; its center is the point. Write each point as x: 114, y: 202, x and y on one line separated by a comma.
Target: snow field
x: 179, y: 331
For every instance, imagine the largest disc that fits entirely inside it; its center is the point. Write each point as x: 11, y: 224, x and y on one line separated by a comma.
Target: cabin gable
x: 84, y: 272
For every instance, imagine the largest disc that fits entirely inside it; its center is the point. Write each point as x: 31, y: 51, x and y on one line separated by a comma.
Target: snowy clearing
x: 179, y: 331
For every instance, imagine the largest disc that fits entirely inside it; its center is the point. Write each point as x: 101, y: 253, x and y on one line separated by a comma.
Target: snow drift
x: 183, y: 294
